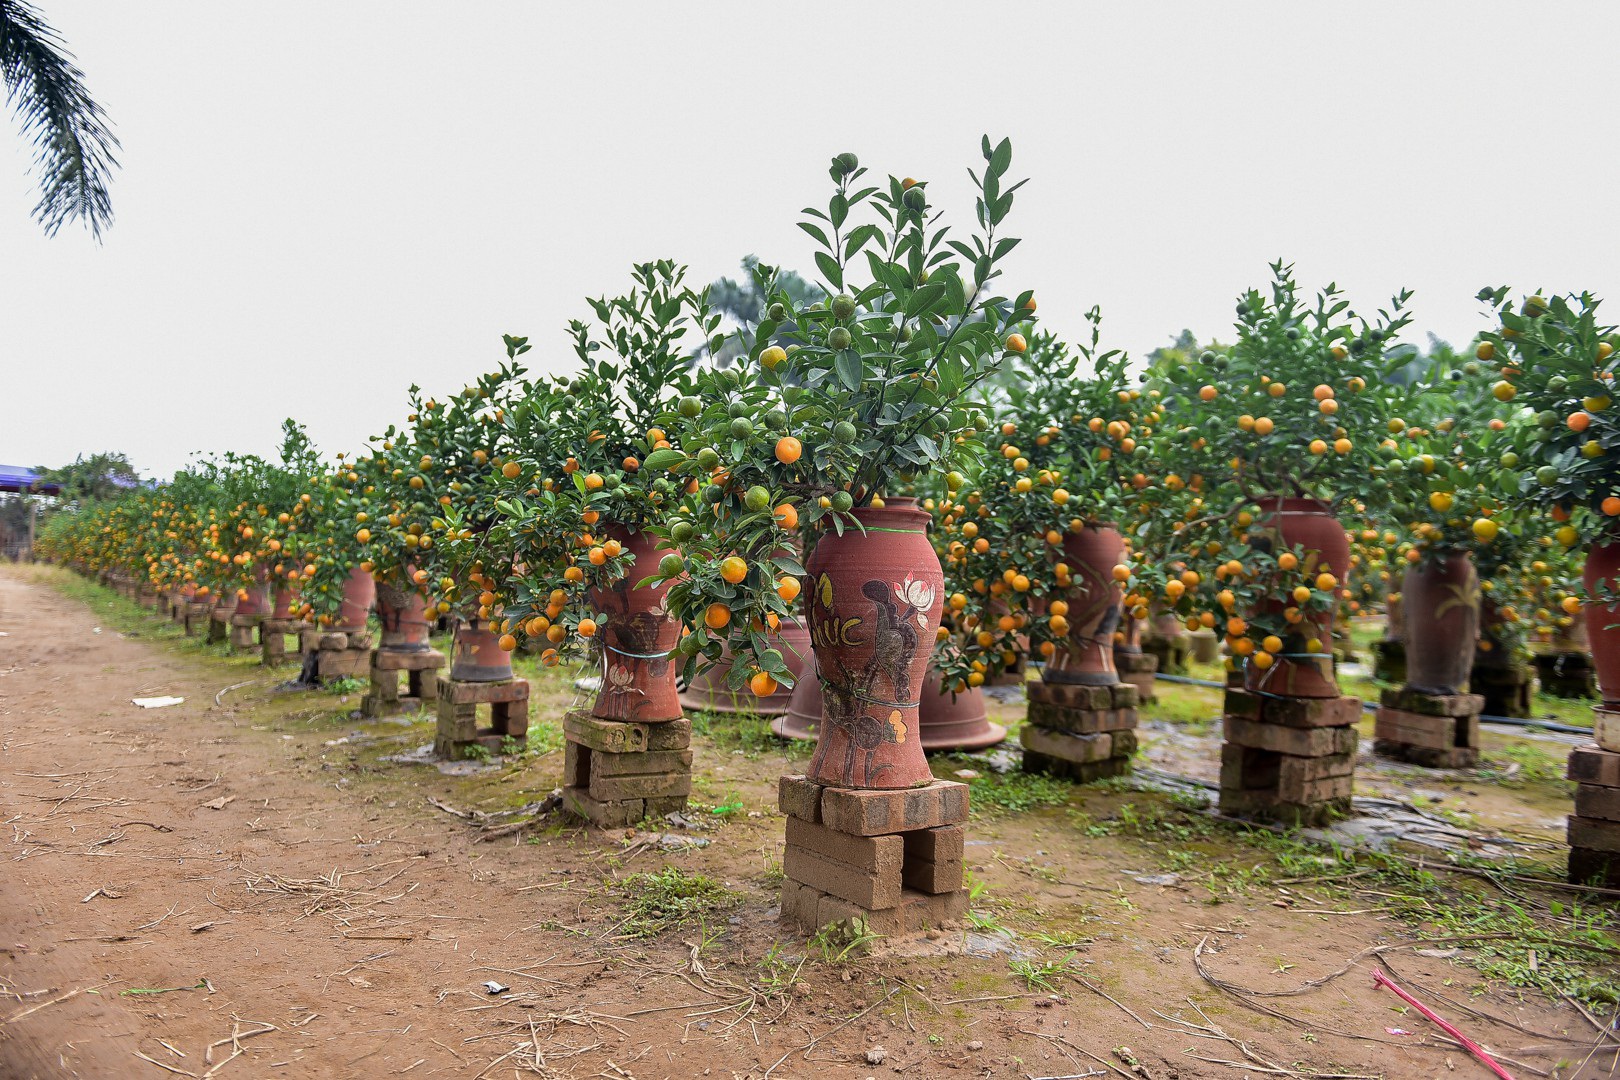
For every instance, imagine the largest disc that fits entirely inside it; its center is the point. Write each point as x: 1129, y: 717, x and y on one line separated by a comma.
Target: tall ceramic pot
x: 477, y: 655
x: 284, y: 604
x: 403, y: 615
x: 802, y: 720
x: 359, y: 593
x: 1302, y: 671
x: 1094, y: 608
x: 1395, y: 617
x: 638, y: 670
x: 876, y: 598
x: 1442, y: 623
x: 255, y: 599
x: 1603, y: 620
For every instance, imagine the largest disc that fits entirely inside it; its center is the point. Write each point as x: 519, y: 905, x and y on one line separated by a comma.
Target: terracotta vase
x: 253, y: 601
x: 945, y: 722
x: 1442, y: 623
x: 1300, y: 671
x: 1493, y: 651
x: 1603, y: 620
x: 708, y: 692
x: 403, y: 615
x: 359, y: 592
x: 638, y: 670
x: 1128, y: 635
x: 477, y: 655
x: 875, y: 602
x: 1094, y: 608
x: 225, y: 604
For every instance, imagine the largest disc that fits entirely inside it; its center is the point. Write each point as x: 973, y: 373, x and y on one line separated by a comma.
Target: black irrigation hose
x: 1367, y: 706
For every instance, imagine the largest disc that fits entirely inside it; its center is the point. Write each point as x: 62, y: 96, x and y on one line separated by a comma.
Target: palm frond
x: 73, y: 142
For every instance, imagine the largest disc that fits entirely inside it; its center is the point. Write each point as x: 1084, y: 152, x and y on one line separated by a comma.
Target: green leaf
x: 661, y: 460
x: 850, y: 368
x: 830, y: 270
x: 815, y: 231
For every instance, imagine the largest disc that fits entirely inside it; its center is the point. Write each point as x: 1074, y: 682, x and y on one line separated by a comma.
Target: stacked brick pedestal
x: 1505, y: 688
x: 1438, y: 731
x: 273, y: 635
x: 338, y: 655
x: 198, y: 614
x: 1169, y: 651
x: 617, y: 772
x: 243, y: 628
x: 458, y: 726
x: 1566, y: 674
x: 1138, y: 669
x: 890, y: 858
x: 420, y: 668
x: 1083, y: 732
x: 1290, y: 760
x: 219, y: 625
x: 1594, y: 828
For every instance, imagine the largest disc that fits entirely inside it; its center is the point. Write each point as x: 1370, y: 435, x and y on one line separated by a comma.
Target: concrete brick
x: 1300, y: 742
x: 916, y: 911
x: 648, y: 785
x: 874, y: 813
x: 1081, y: 772
x: 340, y: 664
x: 604, y: 815
x: 1590, y: 764
x: 798, y: 797
x: 1415, y: 701
x: 1125, y: 695
x: 799, y: 902
x: 606, y: 736
x: 1415, y: 729
x: 639, y: 764
x: 869, y: 891
x: 1594, y: 834
x: 1071, y: 695
x: 936, y: 845
x: 1135, y: 663
x: 399, y: 660
x: 331, y: 641
x: 1067, y: 745
x: 1593, y: 801
x: 1455, y: 757
x: 482, y: 693
x: 881, y: 855
x: 1307, y: 792
x: 1081, y: 721
x: 1267, y: 806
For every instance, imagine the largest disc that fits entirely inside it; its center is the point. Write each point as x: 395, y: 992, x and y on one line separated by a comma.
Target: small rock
x: 975, y: 1045
x: 876, y: 1055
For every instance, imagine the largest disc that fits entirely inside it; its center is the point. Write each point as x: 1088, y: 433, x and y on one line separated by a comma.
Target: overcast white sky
x: 321, y: 203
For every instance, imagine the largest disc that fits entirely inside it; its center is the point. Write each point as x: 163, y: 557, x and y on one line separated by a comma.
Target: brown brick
x: 341, y: 664
x: 1136, y: 663
x: 916, y: 911
x: 332, y: 641
x: 871, y: 891
x: 1311, y: 712
x: 1300, y: 742
x: 1237, y: 702
x: 1307, y: 792
x: 799, y: 901
x: 933, y: 860
x: 938, y: 844
x: 1409, y: 700
x: 1267, y: 806
x: 1301, y: 770
x: 798, y: 797
x: 1415, y: 729
x: 1591, y: 764
x: 874, y: 813
x: 868, y: 854
x: 1594, y: 834
x: 1066, y: 745
x: 1593, y: 801
x: 1456, y: 757
x: 1125, y: 695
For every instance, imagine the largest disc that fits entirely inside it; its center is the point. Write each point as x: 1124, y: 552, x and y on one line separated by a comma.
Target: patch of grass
x: 345, y: 685
x: 839, y: 941
x: 1535, y: 766
x: 749, y: 733
x: 1039, y: 974
x: 660, y: 901
x: 1013, y: 792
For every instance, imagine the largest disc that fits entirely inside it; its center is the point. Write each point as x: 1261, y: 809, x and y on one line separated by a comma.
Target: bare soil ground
x: 245, y: 885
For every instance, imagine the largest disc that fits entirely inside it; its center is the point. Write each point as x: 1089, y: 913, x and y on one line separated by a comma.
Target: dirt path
x: 287, y: 888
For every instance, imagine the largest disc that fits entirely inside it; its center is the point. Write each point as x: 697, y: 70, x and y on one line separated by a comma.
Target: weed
x: 475, y: 752
x: 345, y: 685
x: 845, y: 938
x: 656, y: 902
x: 1039, y: 975
x: 1533, y: 766
x: 1016, y: 792
x: 778, y: 973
